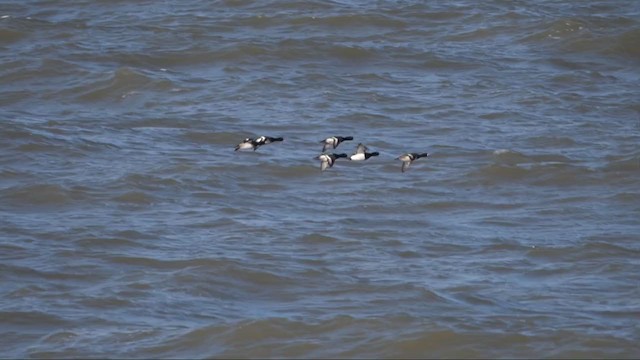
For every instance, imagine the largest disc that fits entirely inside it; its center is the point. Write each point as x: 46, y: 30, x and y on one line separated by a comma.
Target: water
x: 129, y: 227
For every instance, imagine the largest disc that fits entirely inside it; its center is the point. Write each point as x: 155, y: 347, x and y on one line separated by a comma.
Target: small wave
x: 256, y: 338
x: 552, y: 142
x: 148, y: 183
x: 578, y: 36
x: 292, y: 49
x: 8, y: 36
x: 318, y: 239
x: 104, y: 242
x: 626, y: 198
x: 355, y: 21
x: 81, y: 273
x: 135, y: 197
x: 441, y: 63
x: 102, y: 303
x: 476, y: 35
x: 624, y: 45
x: 409, y: 254
x: 39, y: 195
x: 586, y: 251
x: 394, y: 336
x: 606, y: 249
x: 543, y: 170
x: 119, y: 85
x: 171, y: 264
x: 474, y: 299
x: 293, y: 172
x: 165, y: 123
x: 134, y: 235
x: 175, y: 60
x: 500, y: 173
x: 511, y: 157
x: 502, y: 245
x: 418, y: 11
x: 557, y: 30
x: 31, y: 318
x: 261, y: 277
x: 60, y: 337
x: 623, y: 164
x: 453, y: 205
x: 443, y: 343
x: 235, y: 53
x: 9, y: 251
x: 352, y: 53
x: 213, y: 137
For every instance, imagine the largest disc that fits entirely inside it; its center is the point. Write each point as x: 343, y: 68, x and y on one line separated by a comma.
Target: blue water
x: 130, y: 228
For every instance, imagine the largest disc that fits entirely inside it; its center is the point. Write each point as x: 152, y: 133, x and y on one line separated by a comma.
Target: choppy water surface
x: 130, y: 228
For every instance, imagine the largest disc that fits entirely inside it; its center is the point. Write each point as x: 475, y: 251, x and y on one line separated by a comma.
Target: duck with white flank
x: 334, y: 141
x: 407, y: 159
x: 362, y: 154
x: 254, y: 144
x: 327, y: 160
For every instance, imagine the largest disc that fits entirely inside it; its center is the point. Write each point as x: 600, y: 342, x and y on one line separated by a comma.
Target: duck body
x: 361, y: 153
x: 408, y: 158
x: 334, y: 141
x: 263, y: 140
x: 363, y: 156
x: 254, y: 144
x: 246, y: 144
x: 327, y: 160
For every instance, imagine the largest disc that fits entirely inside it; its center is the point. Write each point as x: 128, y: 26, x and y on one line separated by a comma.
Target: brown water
x: 129, y: 228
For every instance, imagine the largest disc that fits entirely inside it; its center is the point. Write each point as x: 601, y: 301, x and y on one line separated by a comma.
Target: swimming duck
x: 327, y: 160
x: 362, y: 154
x: 334, y: 141
x: 408, y: 158
x: 254, y: 144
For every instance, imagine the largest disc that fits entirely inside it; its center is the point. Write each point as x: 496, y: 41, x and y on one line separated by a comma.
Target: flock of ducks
x: 327, y: 160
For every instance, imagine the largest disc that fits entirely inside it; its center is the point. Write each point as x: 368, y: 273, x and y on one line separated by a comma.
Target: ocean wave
x: 8, y: 36
x: 32, y: 318
x: 159, y: 264
x: 289, y: 50
x: 94, y: 242
x: 412, y: 338
x: 118, y: 85
x: 588, y: 250
x: 354, y: 21
x: 559, y: 29
x: 622, y: 164
x: 624, y: 44
x: 293, y: 172
x: 135, y: 197
x: 318, y: 239
x: 40, y: 195
x: 213, y: 137
x: 578, y: 35
x: 104, y: 303
x: 541, y: 170
x: 31, y: 271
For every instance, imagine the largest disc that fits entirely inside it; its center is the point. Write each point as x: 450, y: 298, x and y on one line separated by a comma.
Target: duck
x: 254, y: 144
x: 263, y: 140
x: 246, y: 144
x: 327, y: 160
x: 362, y: 154
x: 334, y: 141
x: 408, y: 158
